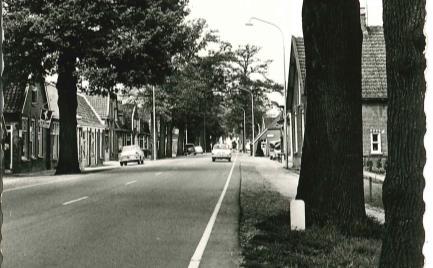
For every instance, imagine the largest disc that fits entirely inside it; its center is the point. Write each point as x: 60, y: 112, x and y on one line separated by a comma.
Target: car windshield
x: 128, y: 148
x: 220, y: 146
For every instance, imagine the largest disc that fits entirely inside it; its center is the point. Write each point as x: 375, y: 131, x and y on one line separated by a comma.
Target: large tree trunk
x: 162, y: 136
x: 180, y: 140
x: 331, y: 179
x: 403, y: 23
x: 67, y: 102
x: 169, y: 151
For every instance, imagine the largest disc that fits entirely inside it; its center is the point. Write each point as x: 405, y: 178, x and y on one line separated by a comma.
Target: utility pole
x: 1, y: 96
x: 154, y: 124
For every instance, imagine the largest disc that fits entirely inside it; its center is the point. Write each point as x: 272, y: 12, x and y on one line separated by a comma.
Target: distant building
x: 271, y: 133
x: 374, y: 96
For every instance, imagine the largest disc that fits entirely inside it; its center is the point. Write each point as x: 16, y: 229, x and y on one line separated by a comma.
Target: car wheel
x: 125, y: 163
x: 213, y: 159
x: 121, y: 164
x: 229, y: 159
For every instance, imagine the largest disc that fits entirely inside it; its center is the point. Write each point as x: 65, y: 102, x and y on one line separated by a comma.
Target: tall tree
x: 403, y: 23
x: 131, y: 41
x: 331, y: 179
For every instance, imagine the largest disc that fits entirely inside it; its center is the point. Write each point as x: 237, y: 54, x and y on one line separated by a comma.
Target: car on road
x: 221, y: 151
x: 131, y: 153
x: 189, y: 149
x: 198, y: 149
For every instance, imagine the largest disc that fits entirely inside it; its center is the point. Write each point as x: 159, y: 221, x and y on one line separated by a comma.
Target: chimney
x: 363, y: 16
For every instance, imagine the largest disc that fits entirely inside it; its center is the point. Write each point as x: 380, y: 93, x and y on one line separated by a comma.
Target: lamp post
x: 243, y: 133
x: 252, y: 117
x: 154, y: 124
x: 249, y: 23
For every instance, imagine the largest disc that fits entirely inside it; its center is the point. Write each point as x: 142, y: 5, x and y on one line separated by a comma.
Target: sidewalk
x: 286, y: 181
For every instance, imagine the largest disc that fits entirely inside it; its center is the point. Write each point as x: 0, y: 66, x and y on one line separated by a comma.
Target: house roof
x: 14, y: 97
x: 374, y: 85
x: 100, y: 103
x: 300, y: 50
x: 86, y: 115
x: 52, y: 99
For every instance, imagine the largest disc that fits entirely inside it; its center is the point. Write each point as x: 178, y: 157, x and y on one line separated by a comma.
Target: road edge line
x: 198, y: 253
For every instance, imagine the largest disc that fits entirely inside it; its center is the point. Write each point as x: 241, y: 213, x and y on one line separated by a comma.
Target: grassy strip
x: 267, y: 241
x: 375, y: 197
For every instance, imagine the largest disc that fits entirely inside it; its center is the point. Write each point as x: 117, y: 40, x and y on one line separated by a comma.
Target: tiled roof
x: 52, y: 99
x: 301, y: 55
x: 86, y: 115
x: 14, y: 97
x: 373, y: 62
x: 99, y: 103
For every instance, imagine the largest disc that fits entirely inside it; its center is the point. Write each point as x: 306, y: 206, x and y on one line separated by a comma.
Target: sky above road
x: 229, y: 18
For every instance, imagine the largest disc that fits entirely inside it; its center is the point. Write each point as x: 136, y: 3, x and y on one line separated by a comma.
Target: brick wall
x: 374, y: 118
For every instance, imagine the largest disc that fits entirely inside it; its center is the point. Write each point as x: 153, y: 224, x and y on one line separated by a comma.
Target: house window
x: 376, y: 147
x: 40, y: 142
x: 33, y: 137
x: 25, y: 137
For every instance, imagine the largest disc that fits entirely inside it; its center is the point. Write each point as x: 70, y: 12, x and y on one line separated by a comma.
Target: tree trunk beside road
x: 162, y: 136
x: 403, y: 23
x: 169, y: 150
x: 331, y: 179
x: 67, y: 102
x: 180, y: 140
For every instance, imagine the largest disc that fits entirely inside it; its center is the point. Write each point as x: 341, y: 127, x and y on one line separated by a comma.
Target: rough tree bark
x: 67, y: 102
x: 403, y: 23
x: 331, y: 179
x: 169, y: 151
x: 162, y: 136
x: 180, y: 140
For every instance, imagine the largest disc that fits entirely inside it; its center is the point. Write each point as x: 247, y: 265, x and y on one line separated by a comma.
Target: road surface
x: 150, y: 215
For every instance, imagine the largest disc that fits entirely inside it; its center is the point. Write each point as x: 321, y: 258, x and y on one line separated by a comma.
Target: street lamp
x: 252, y: 116
x: 249, y: 23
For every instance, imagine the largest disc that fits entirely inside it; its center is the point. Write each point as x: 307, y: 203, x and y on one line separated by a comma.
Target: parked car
x: 131, y: 153
x: 221, y: 151
x: 189, y: 149
x: 275, y: 151
x: 198, y: 149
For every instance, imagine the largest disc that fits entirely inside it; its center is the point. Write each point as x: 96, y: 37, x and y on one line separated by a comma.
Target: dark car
x: 189, y: 149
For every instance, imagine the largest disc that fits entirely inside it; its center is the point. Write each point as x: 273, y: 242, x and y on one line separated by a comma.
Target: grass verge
x: 267, y: 241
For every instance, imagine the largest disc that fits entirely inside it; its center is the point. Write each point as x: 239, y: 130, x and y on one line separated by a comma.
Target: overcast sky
x: 229, y: 18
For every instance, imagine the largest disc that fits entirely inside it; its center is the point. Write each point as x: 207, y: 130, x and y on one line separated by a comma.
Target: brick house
x: 90, y: 129
x: 106, y: 108
x: 27, y: 139
x: 374, y: 96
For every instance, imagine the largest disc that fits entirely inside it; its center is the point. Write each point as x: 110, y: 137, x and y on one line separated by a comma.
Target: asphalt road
x: 150, y: 215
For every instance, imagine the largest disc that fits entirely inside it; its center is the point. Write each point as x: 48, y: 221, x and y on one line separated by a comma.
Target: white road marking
x: 158, y: 173
x: 75, y: 200
x: 198, y: 254
x: 130, y: 182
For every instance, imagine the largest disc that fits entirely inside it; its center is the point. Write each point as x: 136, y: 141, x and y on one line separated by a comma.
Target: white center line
x: 130, y: 182
x: 75, y: 200
x: 196, y: 258
x: 158, y: 173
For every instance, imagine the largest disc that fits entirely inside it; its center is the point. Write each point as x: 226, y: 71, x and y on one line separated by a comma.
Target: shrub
x: 369, y: 165
x: 379, y: 164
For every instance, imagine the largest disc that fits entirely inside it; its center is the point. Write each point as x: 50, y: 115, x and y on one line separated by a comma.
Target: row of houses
x: 374, y: 99
x: 31, y: 117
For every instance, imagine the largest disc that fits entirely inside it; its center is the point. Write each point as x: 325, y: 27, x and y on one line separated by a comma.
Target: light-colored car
x: 221, y: 151
x: 198, y: 149
x: 131, y: 153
